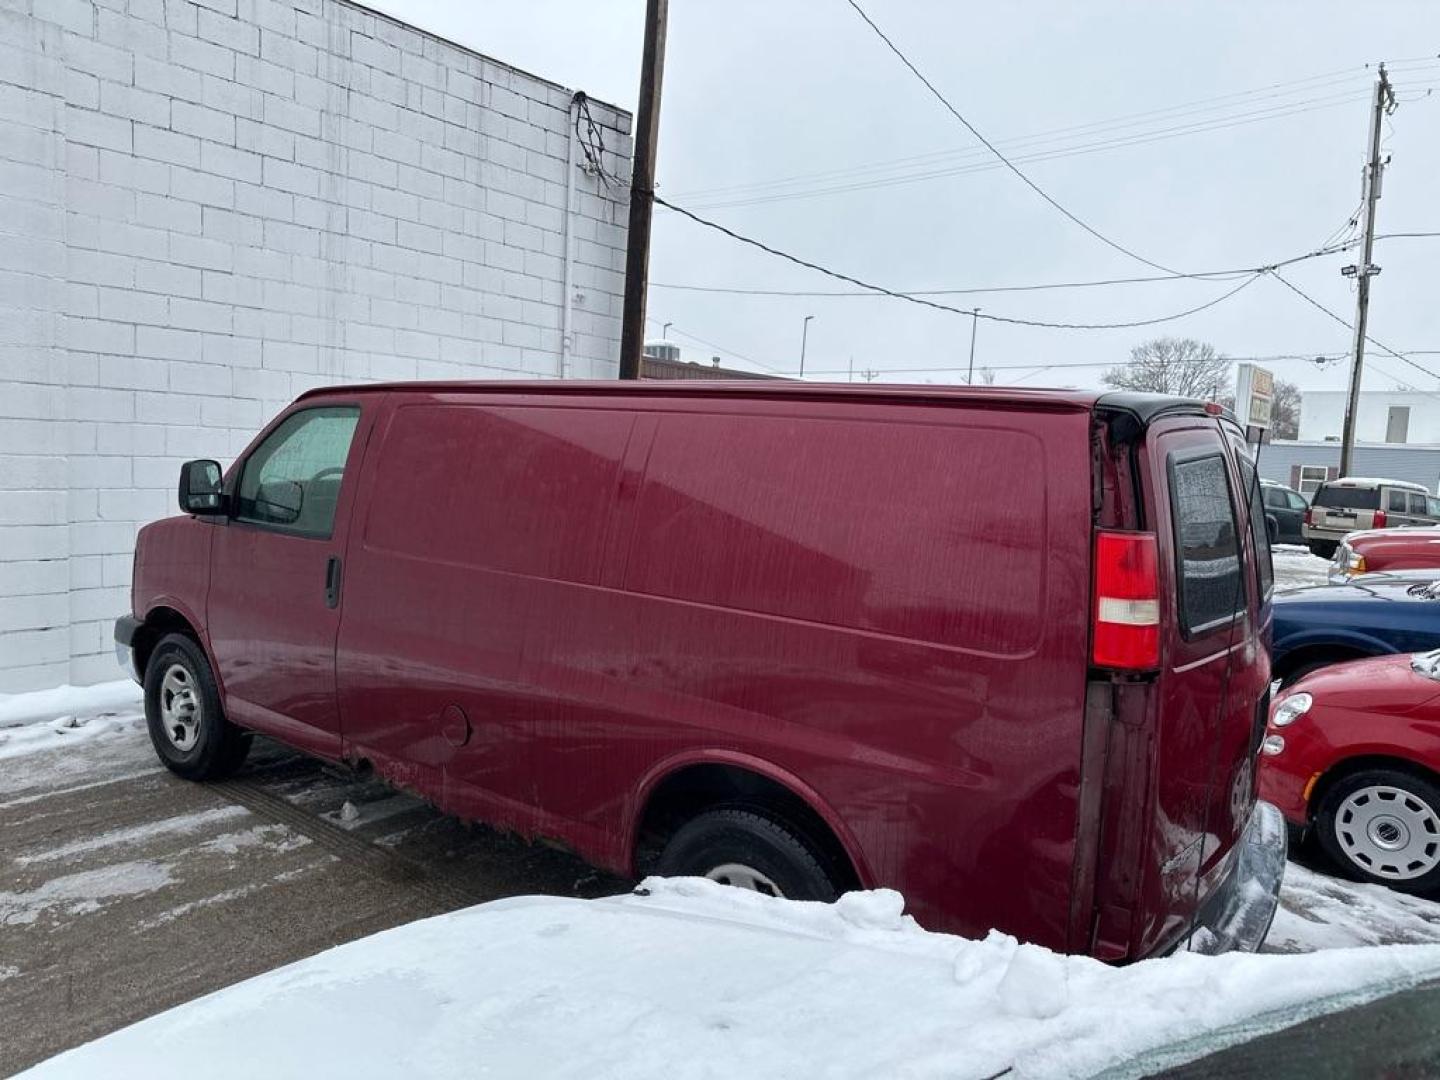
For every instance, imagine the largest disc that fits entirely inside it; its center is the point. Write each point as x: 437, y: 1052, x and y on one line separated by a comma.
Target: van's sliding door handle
x: 332, y: 582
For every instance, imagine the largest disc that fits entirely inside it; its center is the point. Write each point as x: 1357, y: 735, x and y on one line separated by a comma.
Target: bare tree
x: 1285, y: 411
x: 1180, y: 366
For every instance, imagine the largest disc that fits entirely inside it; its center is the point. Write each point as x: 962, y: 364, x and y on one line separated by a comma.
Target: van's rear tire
x: 1383, y: 826
x: 744, y: 847
x: 1323, y: 548
x: 187, y: 723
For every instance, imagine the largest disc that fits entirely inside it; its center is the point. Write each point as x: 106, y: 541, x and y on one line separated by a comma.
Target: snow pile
x: 47, y: 719
x: 120, y: 696
x: 1296, y: 568
x: 691, y: 979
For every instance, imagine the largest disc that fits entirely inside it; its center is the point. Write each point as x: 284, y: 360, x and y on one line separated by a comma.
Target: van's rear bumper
x: 1238, y: 915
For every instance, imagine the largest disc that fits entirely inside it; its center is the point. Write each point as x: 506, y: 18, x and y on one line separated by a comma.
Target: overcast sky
x: 760, y: 92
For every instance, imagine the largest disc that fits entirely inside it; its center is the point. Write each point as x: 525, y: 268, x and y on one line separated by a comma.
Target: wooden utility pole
x: 642, y: 190
x: 1365, y: 270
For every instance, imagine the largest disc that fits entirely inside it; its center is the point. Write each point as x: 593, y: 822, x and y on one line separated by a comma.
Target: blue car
x: 1326, y: 624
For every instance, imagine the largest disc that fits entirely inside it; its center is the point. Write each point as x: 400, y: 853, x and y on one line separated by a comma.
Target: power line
x: 1328, y: 249
x: 962, y: 311
x: 1350, y: 326
x: 1228, y: 101
x: 1082, y: 364
x: 1053, y: 154
x: 991, y: 147
x: 1028, y: 144
x: 1350, y: 74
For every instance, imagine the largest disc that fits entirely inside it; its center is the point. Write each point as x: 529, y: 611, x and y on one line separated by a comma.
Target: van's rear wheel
x: 1383, y: 826
x: 745, y: 848
x: 182, y: 710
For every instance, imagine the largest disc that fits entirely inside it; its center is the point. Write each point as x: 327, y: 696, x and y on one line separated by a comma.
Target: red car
x: 1353, y: 752
x: 1002, y: 650
x: 1379, y: 551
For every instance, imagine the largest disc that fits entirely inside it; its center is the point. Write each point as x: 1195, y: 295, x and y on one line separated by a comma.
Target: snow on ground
x: 120, y: 696
x: 1295, y: 567
x: 84, y: 892
x: 696, y: 979
x: 1322, y: 912
x: 47, y: 719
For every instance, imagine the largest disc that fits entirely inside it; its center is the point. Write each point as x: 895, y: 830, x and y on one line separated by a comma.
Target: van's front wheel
x: 745, y: 848
x: 187, y: 725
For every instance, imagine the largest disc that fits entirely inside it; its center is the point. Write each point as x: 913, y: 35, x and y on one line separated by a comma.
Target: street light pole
x: 665, y: 331
x: 804, y: 334
x: 974, y: 322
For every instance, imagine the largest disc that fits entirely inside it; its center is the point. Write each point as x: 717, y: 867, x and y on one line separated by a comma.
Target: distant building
x: 1398, y: 416
x: 662, y: 350
x: 655, y: 367
x: 661, y: 360
x: 1305, y: 464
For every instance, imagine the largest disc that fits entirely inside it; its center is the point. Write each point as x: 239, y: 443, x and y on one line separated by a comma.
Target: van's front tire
x: 187, y: 724
x: 743, y: 847
x: 1383, y: 826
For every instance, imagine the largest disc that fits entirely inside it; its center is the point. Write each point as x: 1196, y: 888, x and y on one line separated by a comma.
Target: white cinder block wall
x: 208, y: 206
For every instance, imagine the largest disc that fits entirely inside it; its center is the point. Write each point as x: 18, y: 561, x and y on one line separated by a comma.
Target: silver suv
x: 1357, y: 502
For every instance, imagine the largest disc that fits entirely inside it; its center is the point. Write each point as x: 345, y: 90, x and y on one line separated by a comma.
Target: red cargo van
x: 1001, y: 650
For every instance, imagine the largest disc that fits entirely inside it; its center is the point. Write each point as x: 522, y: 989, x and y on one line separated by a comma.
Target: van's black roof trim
x: 1019, y: 397
x: 1147, y: 408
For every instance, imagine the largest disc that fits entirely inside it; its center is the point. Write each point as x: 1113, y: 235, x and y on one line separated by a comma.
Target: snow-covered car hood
x: 696, y: 980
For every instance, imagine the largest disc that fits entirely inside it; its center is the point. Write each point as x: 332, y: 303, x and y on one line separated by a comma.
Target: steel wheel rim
x: 1389, y: 832
x: 180, y: 709
x: 740, y: 876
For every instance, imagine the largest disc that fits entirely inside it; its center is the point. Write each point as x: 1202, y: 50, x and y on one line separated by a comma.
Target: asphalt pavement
x: 125, y: 890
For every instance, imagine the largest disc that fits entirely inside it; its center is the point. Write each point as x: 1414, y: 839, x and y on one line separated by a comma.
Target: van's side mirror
x: 200, y: 490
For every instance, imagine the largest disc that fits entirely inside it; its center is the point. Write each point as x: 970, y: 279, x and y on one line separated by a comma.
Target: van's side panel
x: 887, y: 599
x: 891, y: 602
x: 481, y: 521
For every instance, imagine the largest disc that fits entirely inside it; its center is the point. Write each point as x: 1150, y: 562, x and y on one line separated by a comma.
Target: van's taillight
x: 1379, y: 519
x: 1126, y: 633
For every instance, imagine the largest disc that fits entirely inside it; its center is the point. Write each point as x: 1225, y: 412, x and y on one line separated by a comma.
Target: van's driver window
x: 1210, y: 584
x: 292, y: 480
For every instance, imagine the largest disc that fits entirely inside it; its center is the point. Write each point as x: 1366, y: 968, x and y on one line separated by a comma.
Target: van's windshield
x: 1348, y: 498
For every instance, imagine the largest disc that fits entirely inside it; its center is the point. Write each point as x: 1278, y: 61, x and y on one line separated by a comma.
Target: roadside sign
x: 1254, y: 395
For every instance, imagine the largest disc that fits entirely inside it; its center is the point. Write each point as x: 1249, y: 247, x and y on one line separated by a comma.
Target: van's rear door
x: 1213, y: 670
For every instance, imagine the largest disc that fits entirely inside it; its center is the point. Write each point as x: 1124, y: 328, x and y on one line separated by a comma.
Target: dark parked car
x: 779, y: 635
x: 1284, y: 513
x: 1327, y: 624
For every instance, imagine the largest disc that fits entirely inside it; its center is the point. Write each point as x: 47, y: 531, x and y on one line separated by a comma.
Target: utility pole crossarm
x: 1366, y: 269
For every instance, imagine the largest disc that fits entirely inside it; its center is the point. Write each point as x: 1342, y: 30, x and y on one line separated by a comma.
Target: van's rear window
x: 1347, y: 498
x: 1211, y: 591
